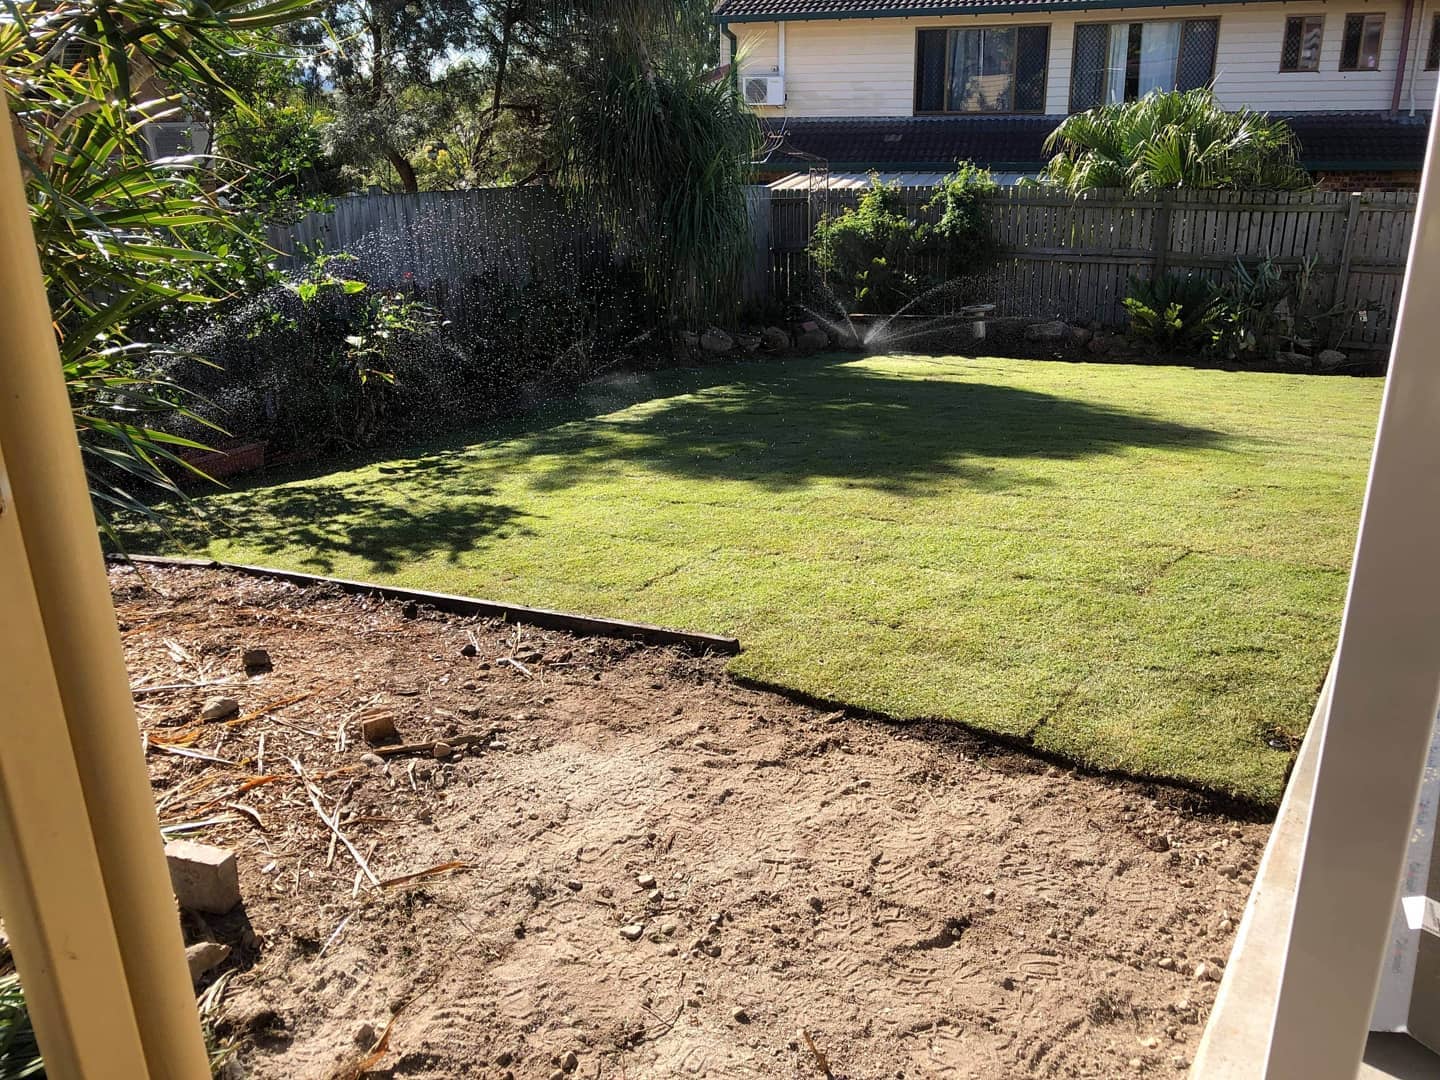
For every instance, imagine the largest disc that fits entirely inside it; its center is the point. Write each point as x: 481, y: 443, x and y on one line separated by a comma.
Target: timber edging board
x: 467, y: 605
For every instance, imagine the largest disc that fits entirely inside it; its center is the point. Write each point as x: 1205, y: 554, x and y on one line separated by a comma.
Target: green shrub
x: 878, y: 259
x: 1263, y: 309
x: 963, y: 233
x: 868, y: 253
x: 19, y: 1052
x: 1172, y: 312
x: 327, y: 363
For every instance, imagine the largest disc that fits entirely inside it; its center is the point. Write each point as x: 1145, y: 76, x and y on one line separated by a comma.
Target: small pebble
x: 669, y: 929
x: 569, y: 1061
x: 632, y: 932
x: 989, y: 894
x: 646, y: 881
x: 816, y: 904
x: 1206, y: 972
x: 654, y: 896
x: 740, y: 1016
x: 469, y: 649
x: 365, y: 1036
x: 499, y: 744
x: 1165, y: 963
x: 375, y: 761
x: 255, y: 659
x: 442, y: 750
x: 574, y: 886
x: 220, y: 708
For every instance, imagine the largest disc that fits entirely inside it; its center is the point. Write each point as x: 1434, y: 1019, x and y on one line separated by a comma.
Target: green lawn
x: 1139, y: 568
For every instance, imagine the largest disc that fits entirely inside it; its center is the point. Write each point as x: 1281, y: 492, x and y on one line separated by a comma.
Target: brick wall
x: 1405, y: 180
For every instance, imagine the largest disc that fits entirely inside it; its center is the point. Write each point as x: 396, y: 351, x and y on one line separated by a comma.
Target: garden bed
x: 830, y: 892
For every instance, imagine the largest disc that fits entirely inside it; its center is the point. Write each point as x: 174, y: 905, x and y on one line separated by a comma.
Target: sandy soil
x: 831, y: 895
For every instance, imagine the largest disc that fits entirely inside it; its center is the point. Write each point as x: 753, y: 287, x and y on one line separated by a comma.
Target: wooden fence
x: 453, y: 245
x: 1063, y: 256
x: 1072, y: 257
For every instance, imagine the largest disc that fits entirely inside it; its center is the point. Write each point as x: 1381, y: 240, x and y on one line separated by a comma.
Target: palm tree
x: 657, y: 147
x: 1181, y: 139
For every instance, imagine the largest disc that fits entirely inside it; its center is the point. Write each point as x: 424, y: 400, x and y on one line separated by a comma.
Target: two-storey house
x: 914, y: 85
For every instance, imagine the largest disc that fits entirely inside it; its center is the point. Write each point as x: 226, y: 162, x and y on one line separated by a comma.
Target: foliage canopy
x: 1180, y: 139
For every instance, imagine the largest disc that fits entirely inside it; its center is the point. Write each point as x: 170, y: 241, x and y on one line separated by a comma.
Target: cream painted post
x: 51, y: 893
x: 1386, y: 681
x: 80, y: 697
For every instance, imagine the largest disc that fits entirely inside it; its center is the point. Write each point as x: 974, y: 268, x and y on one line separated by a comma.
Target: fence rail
x: 1062, y: 256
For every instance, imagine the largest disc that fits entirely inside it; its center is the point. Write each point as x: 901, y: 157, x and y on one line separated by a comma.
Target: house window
x: 993, y: 69
x: 1432, y: 52
x: 1301, y: 50
x: 1116, y: 62
x: 1360, y: 48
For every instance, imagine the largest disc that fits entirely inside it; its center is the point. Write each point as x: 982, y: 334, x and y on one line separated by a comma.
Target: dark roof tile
x: 784, y: 10
x: 1016, y: 143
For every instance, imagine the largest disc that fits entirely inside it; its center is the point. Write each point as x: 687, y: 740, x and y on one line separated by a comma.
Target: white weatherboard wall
x: 866, y: 67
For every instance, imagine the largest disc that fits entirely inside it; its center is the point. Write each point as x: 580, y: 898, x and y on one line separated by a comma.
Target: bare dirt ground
x: 830, y: 896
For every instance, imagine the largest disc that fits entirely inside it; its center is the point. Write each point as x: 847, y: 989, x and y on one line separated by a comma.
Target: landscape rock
x: 256, y: 660
x: 1106, y: 343
x: 775, y: 339
x: 690, y: 338
x: 1081, y: 335
x: 812, y: 340
x: 748, y: 342
x: 716, y: 341
x: 1330, y: 358
x: 220, y: 708
x: 204, y: 878
x: 1292, y: 359
x: 1054, y: 330
x: 204, y: 957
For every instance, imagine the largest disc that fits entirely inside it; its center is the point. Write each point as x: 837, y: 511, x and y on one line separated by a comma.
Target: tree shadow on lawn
x: 330, y: 521
x: 775, y: 426
x: 892, y: 433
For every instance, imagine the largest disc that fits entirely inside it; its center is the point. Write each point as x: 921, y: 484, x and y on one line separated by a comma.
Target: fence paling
x: 1072, y: 256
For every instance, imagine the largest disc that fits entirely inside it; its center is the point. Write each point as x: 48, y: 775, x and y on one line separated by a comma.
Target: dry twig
x: 333, y: 826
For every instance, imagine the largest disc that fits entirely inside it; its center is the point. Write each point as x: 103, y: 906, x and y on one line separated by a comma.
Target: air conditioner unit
x: 764, y: 90
x: 176, y: 139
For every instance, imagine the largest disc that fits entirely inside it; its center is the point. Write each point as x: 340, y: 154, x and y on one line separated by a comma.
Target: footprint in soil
x: 949, y: 934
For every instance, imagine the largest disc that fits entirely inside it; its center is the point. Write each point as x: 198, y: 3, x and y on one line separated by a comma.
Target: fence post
x: 1161, y: 238
x: 1342, y: 275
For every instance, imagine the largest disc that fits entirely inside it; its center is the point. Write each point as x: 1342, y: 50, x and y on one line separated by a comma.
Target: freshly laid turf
x: 1139, y: 568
